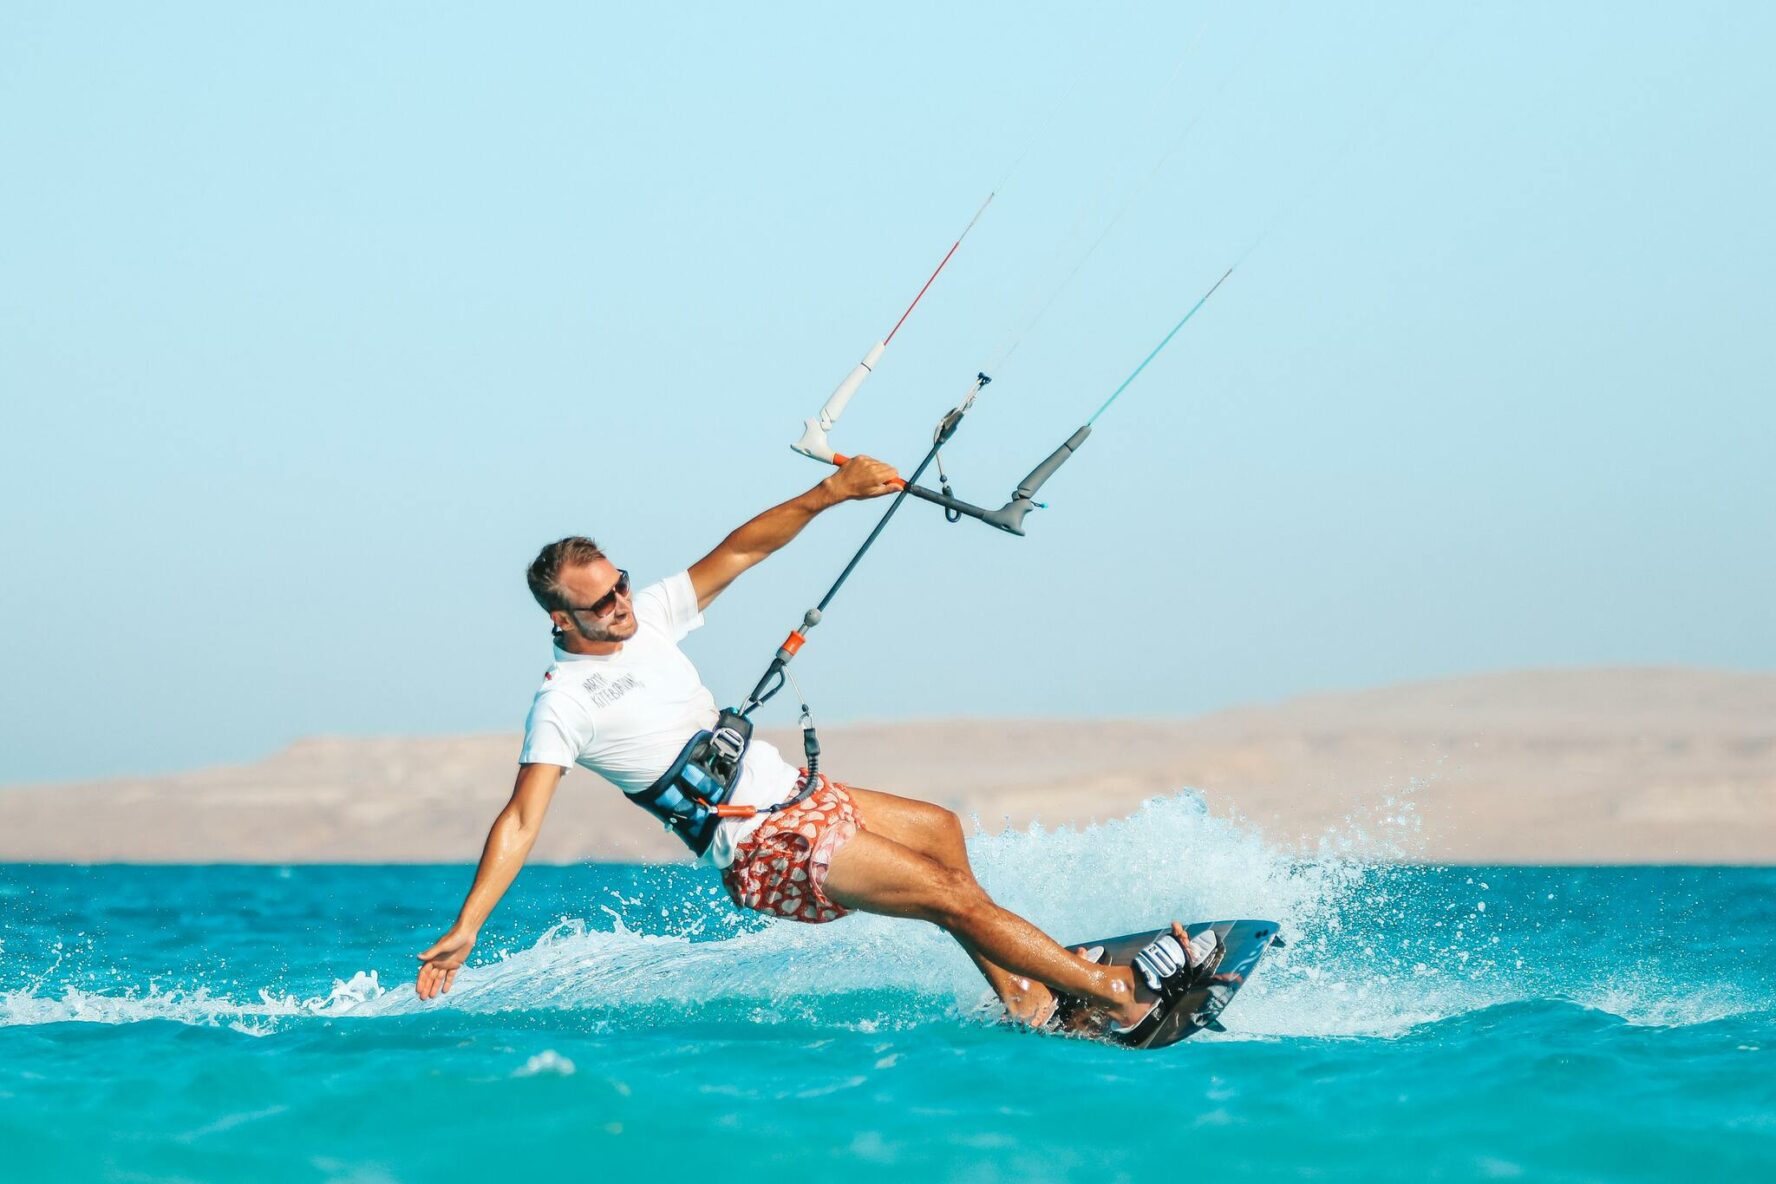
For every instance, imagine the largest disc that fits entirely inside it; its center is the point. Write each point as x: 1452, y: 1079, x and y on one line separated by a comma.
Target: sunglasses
x: 604, y: 604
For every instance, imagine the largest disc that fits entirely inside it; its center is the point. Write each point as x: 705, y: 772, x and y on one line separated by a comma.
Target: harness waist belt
x: 691, y: 797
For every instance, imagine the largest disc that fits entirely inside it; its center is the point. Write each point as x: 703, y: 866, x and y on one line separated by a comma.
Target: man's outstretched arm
x: 508, y: 844
x: 861, y: 477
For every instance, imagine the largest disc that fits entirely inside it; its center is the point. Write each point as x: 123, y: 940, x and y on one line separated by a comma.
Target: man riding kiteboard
x: 623, y: 700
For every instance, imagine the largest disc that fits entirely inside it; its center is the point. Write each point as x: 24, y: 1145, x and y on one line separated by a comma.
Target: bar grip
x: 813, y: 442
x: 839, y: 460
x: 1010, y: 516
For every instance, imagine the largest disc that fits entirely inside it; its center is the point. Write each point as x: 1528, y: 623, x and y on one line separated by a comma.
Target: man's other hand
x: 441, y: 962
x: 863, y: 477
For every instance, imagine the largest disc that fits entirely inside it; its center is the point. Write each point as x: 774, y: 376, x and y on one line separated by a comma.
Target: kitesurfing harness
x: 691, y: 798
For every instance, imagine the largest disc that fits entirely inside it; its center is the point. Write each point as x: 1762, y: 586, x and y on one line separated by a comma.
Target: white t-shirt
x: 626, y: 716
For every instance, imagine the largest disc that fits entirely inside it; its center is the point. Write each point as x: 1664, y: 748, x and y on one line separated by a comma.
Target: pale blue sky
x: 316, y: 322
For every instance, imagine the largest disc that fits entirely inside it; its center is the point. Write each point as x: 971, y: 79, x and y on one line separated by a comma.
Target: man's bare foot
x: 1029, y: 1002
x: 1086, y: 1016
x: 1138, y: 997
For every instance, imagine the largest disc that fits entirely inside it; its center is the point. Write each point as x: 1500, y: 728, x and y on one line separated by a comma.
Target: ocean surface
x: 258, y: 1024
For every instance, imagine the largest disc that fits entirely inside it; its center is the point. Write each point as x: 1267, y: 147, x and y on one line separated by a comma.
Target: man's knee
x: 943, y: 828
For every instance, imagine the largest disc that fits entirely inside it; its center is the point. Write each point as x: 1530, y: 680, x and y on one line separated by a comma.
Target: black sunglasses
x: 603, y: 605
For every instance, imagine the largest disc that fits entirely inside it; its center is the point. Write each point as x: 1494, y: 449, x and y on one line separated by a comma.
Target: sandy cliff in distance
x: 1638, y: 765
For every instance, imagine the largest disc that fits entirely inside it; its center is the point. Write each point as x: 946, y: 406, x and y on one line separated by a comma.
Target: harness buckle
x: 728, y: 744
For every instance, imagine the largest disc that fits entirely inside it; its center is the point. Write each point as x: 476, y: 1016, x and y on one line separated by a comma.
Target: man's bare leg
x: 875, y: 874
x: 936, y: 832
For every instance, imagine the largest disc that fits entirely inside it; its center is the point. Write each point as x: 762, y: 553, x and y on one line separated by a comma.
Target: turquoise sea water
x: 257, y: 1024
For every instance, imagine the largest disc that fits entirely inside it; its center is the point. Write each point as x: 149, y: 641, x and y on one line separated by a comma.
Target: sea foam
x: 1375, y: 948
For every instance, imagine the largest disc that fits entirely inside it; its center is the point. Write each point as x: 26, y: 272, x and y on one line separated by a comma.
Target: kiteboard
x: 1230, y: 967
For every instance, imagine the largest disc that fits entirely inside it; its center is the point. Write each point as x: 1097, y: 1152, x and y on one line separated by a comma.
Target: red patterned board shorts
x: 780, y: 868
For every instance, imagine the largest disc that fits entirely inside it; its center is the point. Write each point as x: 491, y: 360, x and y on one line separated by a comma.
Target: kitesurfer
x: 623, y: 700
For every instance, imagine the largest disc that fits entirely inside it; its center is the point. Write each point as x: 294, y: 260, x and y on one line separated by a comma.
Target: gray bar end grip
x: 1010, y: 516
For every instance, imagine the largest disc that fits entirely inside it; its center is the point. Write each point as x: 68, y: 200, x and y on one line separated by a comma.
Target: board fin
x: 1215, y: 1026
